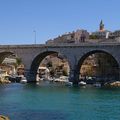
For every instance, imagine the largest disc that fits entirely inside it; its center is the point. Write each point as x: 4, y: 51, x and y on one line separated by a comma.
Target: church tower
x: 101, y: 27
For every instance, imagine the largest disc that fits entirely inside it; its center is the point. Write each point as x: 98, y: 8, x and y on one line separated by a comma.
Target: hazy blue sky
x: 50, y: 18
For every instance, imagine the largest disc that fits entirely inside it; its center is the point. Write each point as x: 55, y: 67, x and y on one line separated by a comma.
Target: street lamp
x: 34, y: 36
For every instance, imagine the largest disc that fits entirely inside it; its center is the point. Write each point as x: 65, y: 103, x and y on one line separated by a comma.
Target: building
x: 105, y: 34
x: 72, y: 37
x: 65, y: 38
x: 115, y: 34
x: 101, y: 33
x: 81, y: 36
x: 101, y: 26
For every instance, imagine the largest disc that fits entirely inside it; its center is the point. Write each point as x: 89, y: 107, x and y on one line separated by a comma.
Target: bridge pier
x: 30, y: 76
x: 74, y: 76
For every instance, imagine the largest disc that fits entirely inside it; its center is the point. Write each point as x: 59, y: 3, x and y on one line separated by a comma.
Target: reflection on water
x: 58, y: 102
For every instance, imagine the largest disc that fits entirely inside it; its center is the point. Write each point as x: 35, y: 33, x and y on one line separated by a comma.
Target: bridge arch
x: 38, y: 59
x: 109, y: 55
x: 5, y: 54
x: 11, y: 63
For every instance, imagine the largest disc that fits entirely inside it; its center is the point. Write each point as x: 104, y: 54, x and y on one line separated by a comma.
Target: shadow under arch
x: 38, y: 59
x: 116, y: 64
x: 3, y: 55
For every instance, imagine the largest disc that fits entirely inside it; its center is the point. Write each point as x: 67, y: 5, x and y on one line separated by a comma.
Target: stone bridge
x: 32, y: 55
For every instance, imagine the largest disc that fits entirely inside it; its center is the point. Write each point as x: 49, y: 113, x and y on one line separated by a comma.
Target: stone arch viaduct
x: 32, y: 55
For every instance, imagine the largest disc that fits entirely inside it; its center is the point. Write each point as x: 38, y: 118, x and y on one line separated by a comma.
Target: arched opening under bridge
x: 50, y: 66
x: 98, y: 67
x: 11, y: 67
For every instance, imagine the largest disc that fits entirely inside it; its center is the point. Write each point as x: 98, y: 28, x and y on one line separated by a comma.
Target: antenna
x: 34, y: 36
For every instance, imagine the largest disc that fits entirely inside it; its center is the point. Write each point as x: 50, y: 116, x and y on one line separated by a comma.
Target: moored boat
x: 23, y: 80
x: 82, y: 83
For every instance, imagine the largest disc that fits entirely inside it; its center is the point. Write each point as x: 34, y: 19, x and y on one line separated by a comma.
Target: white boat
x: 56, y: 79
x: 63, y: 79
x: 82, y: 83
x: 23, y: 80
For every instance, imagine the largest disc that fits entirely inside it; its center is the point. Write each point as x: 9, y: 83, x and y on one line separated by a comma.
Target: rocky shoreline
x: 113, y: 84
x: 2, y: 81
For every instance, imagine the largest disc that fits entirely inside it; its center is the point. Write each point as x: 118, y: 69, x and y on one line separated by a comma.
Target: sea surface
x: 59, y: 102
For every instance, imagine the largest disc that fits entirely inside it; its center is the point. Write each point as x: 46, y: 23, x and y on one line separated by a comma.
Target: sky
x: 51, y: 18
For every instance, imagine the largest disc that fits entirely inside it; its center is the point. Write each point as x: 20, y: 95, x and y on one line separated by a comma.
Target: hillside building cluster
x: 91, y: 65
x: 81, y: 35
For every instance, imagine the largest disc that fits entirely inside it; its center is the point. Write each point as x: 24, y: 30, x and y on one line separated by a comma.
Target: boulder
x: 4, y: 81
x: 4, y: 117
x: 113, y: 84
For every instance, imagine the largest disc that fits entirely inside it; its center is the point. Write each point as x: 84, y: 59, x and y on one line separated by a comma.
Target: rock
x: 4, y: 117
x: 113, y: 84
x: 4, y: 81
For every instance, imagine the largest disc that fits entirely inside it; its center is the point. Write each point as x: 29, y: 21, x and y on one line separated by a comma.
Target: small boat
x: 82, y: 83
x: 23, y: 80
x: 56, y: 80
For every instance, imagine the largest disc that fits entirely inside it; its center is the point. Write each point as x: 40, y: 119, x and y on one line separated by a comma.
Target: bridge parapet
x: 59, y: 45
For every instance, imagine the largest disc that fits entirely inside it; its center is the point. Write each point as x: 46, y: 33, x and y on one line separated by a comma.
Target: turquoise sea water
x: 59, y: 102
